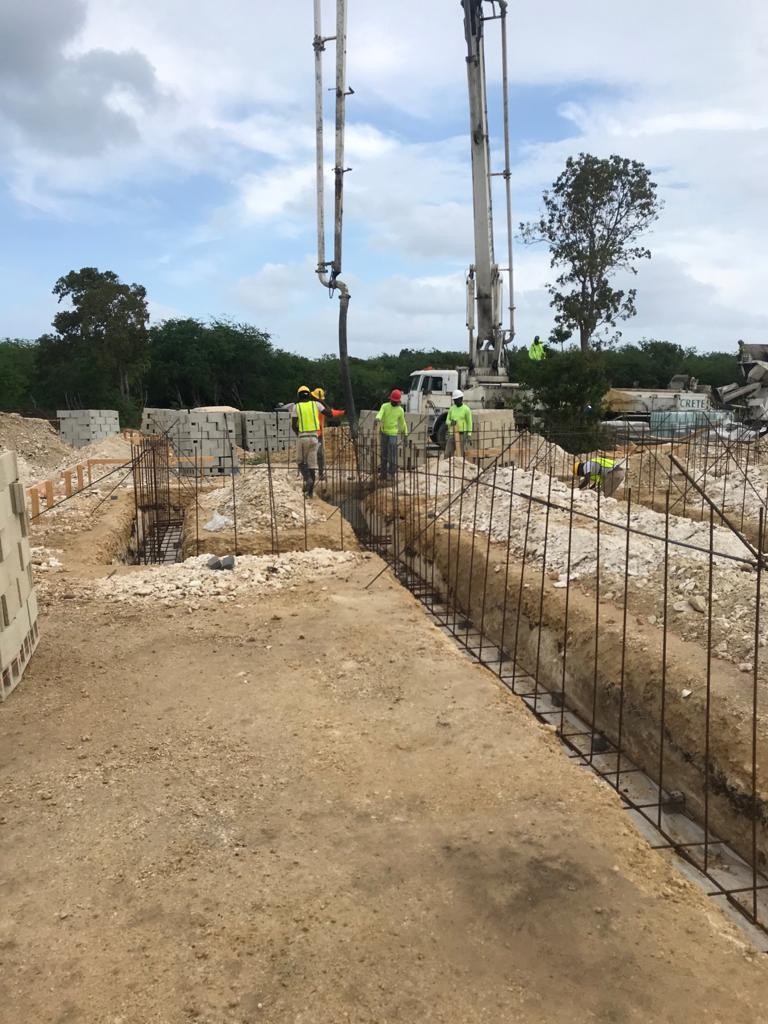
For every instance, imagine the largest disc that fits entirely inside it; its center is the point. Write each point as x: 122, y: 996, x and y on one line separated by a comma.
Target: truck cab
x: 431, y: 390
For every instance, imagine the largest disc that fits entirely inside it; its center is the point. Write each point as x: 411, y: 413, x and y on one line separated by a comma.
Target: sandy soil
x: 309, y: 807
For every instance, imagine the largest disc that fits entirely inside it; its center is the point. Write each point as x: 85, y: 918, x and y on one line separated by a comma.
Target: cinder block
x: 32, y: 609
x: 9, y: 469
x: 18, y: 502
x: 24, y: 589
x: 10, y: 603
x: 24, y: 553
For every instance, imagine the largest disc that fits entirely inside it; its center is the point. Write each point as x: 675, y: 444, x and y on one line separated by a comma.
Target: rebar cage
x: 632, y: 623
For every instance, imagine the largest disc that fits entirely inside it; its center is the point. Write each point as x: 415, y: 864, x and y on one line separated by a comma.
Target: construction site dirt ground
x: 308, y: 806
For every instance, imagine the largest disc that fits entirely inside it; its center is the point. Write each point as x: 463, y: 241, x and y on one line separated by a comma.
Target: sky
x: 173, y: 143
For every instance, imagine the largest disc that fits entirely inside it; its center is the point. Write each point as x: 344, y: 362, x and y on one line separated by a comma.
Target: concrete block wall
x: 79, y: 427
x: 491, y: 427
x: 18, y: 602
x: 213, y: 432
x: 267, y: 431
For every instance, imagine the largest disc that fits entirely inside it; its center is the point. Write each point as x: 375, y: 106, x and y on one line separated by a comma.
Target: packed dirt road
x: 309, y: 807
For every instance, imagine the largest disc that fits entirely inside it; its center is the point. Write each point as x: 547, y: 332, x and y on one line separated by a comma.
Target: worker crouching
x: 600, y: 473
x: 458, y: 423
x: 390, y: 420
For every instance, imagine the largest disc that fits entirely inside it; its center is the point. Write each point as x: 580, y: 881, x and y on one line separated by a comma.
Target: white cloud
x: 225, y: 92
x: 277, y: 286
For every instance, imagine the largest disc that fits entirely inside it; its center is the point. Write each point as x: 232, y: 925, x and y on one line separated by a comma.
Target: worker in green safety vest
x: 458, y: 421
x: 536, y: 350
x: 391, y: 424
x: 600, y: 472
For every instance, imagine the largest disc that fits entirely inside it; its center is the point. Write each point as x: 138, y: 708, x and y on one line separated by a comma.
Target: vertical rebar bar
x: 541, y: 595
x: 755, y: 669
x: 622, y: 670
x: 593, y: 722
x: 708, y: 696
x: 522, y: 580
x: 502, y: 651
x: 487, y: 564
x: 665, y: 629
x: 567, y: 609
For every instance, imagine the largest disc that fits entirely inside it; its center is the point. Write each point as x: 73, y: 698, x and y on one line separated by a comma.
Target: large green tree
x: 594, y: 215
x: 98, y: 353
x: 17, y: 367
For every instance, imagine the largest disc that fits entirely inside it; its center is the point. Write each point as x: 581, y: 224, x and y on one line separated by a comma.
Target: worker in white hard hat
x: 458, y: 422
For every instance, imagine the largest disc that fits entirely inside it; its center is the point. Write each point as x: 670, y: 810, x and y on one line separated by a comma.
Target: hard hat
x: 303, y: 389
x: 318, y: 393
x: 457, y: 394
x: 395, y: 395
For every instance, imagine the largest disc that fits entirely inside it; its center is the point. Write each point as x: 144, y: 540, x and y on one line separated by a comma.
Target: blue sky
x: 174, y: 146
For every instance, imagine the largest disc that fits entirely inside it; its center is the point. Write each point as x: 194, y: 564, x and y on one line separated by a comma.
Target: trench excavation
x: 637, y: 633
x: 641, y: 693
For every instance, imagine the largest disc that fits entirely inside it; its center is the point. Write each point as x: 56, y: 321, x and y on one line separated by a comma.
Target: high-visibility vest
x: 536, y: 351
x: 308, y: 417
x: 605, y: 463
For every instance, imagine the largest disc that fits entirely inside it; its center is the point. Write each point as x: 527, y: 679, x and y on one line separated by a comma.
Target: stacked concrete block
x: 211, y: 434
x: 267, y: 432
x: 493, y: 428
x: 79, y: 427
x: 18, y: 602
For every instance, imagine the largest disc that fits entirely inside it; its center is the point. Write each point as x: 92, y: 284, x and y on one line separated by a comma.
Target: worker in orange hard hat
x: 319, y: 395
x: 390, y: 420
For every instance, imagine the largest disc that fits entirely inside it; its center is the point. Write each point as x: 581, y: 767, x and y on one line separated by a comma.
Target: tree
x: 17, y: 363
x: 594, y: 214
x: 566, y: 397
x: 98, y: 354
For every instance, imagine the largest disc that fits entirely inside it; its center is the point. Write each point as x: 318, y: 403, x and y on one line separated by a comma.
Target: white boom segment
x: 487, y: 336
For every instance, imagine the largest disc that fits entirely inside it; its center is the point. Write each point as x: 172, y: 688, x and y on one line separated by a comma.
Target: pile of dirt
x: 39, y: 448
x: 533, y: 452
x: 191, y: 582
x: 253, y: 504
x: 115, y: 447
x: 737, y: 481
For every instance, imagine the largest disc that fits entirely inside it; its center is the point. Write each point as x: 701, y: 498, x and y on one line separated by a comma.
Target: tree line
x: 103, y: 353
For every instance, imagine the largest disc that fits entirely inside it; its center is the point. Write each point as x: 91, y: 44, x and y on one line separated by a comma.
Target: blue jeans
x: 388, y: 447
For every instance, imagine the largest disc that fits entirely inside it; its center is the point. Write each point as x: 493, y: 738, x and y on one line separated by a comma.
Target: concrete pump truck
x: 484, y: 381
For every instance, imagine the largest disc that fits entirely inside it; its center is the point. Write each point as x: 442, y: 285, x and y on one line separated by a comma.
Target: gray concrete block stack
x: 213, y: 432
x: 18, y: 602
x: 79, y: 427
x: 267, y: 431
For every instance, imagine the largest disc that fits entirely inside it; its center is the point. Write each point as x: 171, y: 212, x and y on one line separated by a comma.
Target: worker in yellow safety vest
x: 305, y: 421
x: 536, y: 350
x: 458, y: 421
x: 600, y: 472
x: 390, y: 420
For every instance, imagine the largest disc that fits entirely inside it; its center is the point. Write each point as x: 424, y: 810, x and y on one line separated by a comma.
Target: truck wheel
x: 439, y: 434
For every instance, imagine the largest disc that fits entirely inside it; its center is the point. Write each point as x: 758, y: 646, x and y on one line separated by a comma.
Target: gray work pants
x: 388, y: 449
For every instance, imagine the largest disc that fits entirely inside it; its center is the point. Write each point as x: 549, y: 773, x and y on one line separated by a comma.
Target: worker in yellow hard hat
x: 305, y: 421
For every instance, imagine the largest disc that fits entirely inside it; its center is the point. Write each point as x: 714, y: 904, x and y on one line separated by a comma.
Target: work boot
x: 310, y: 482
